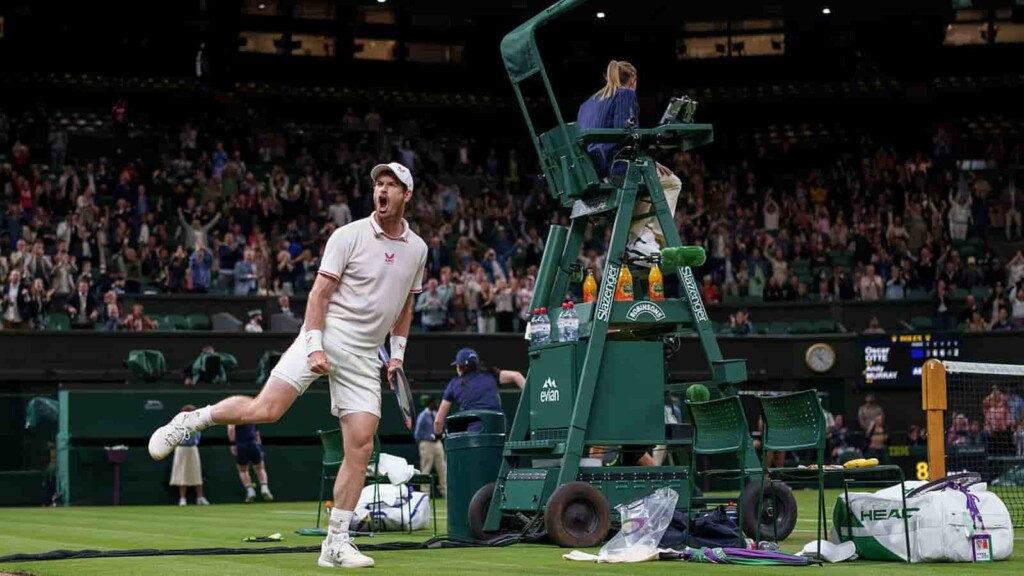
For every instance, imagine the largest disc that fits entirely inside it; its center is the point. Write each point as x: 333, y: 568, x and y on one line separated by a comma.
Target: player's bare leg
x: 357, y: 431
x: 261, y: 477
x: 273, y: 401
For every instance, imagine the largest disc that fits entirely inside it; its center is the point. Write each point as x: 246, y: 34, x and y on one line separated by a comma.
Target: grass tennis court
x: 24, y: 530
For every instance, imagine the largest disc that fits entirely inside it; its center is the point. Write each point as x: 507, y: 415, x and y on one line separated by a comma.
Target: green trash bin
x: 473, y: 451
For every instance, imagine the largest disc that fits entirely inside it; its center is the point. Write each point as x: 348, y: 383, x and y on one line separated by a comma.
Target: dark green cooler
x: 473, y: 459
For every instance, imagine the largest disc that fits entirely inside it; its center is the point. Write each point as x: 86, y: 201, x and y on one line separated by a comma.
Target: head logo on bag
x: 880, y: 514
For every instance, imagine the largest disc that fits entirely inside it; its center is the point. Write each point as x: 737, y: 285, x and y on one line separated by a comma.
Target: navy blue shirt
x: 245, y: 434
x: 612, y: 112
x: 474, y: 391
x: 424, y: 431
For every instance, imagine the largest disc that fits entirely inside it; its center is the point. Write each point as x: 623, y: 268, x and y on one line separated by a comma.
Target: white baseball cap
x: 401, y: 172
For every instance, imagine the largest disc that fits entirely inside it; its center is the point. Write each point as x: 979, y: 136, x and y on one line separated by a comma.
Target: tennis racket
x: 401, y: 387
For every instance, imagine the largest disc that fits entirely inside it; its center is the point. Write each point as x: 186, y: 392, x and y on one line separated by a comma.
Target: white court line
x: 297, y: 513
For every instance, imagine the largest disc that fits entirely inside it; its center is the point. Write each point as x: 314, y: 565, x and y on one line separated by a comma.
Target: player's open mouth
x: 382, y: 202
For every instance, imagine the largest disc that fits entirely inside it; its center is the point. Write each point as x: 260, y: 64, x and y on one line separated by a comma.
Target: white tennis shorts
x: 354, y: 379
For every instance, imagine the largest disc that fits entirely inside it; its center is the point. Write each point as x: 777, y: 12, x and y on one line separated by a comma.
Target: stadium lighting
x: 826, y: 10
x: 381, y: 1
x: 263, y: 6
x: 600, y: 15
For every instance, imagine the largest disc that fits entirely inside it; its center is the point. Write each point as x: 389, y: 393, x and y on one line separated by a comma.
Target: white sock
x: 204, y: 418
x: 264, y: 488
x: 249, y: 490
x: 338, y: 524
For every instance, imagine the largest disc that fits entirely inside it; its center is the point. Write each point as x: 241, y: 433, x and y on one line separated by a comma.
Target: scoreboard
x: 896, y: 360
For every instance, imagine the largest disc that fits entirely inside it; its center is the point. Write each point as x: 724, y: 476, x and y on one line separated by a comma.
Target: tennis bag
x: 948, y: 522
x: 387, y: 507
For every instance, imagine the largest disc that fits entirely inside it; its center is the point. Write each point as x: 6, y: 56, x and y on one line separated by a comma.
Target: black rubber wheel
x: 478, y: 508
x: 781, y: 514
x: 577, y: 516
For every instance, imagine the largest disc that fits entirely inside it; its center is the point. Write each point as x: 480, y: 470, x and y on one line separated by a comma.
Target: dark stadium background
x: 870, y: 82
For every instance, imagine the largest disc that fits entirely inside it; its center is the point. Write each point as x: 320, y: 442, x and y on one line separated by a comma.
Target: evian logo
x: 694, y: 295
x: 645, y: 308
x: 604, y: 306
x: 389, y: 258
x: 549, y: 391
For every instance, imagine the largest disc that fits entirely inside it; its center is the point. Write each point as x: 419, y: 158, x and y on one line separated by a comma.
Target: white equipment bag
x: 943, y: 526
x: 394, y: 507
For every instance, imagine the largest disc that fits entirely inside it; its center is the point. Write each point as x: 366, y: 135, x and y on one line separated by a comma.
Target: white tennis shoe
x: 643, y: 246
x: 166, y: 438
x: 342, y: 553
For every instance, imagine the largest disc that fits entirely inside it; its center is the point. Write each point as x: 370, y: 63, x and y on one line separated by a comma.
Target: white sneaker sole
x: 328, y: 564
x: 158, y: 448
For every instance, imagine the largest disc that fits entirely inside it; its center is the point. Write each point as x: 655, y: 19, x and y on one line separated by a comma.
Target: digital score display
x: 896, y: 360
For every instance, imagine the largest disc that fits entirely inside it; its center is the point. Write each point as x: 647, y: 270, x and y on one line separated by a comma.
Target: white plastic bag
x: 644, y: 522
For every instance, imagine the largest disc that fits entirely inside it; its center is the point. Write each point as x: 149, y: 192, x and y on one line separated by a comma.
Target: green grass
x: 25, y: 530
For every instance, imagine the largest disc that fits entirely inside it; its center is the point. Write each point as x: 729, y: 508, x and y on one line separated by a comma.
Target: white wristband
x: 314, y: 341
x: 398, y: 347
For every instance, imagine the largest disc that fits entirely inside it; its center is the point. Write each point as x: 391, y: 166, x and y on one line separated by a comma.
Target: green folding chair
x: 720, y: 427
x: 797, y: 422
x: 334, y: 453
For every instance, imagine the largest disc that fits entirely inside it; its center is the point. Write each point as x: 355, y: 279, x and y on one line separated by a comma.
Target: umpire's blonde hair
x: 619, y: 74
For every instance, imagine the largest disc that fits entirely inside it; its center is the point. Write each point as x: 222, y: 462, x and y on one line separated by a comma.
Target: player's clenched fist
x: 318, y: 362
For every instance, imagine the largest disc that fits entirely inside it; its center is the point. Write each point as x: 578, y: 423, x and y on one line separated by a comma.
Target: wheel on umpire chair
x: 577, y: 516
x: 478, y: 508
x: 777, y: 513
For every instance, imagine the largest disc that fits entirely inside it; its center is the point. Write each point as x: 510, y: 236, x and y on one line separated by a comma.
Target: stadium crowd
x: 251, y: 215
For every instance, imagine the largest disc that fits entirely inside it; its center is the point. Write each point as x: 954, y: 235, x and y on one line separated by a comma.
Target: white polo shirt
x: 377, y: 273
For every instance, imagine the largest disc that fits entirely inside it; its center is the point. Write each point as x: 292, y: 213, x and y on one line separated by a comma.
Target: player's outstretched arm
x: 316, y: 313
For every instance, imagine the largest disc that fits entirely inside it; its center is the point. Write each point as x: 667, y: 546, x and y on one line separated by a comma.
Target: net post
x: 933, y: 402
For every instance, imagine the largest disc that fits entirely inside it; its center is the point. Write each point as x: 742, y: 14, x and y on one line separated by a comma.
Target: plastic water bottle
x: 563, y: 324
x: 572, y: 324
x: 542, y: 329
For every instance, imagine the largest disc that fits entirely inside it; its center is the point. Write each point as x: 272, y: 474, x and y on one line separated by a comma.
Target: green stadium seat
x: 918, y: 294
x: 921, y: 323
x: 960, y: 294
x: 968, y: 251
x: 58, y: 321
x: 175, y: 322
x: 980, y: 293
x: 824, y: 326
x: 199, y: 322
x: 731, y: 299
x: 801, y: 265
x: 801, y: 327
x: 778, y: 328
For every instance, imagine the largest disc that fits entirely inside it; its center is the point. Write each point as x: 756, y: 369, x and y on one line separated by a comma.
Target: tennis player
x: 368, y: 274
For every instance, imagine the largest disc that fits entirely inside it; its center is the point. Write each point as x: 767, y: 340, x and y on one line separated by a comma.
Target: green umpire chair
x: 334, y: 453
